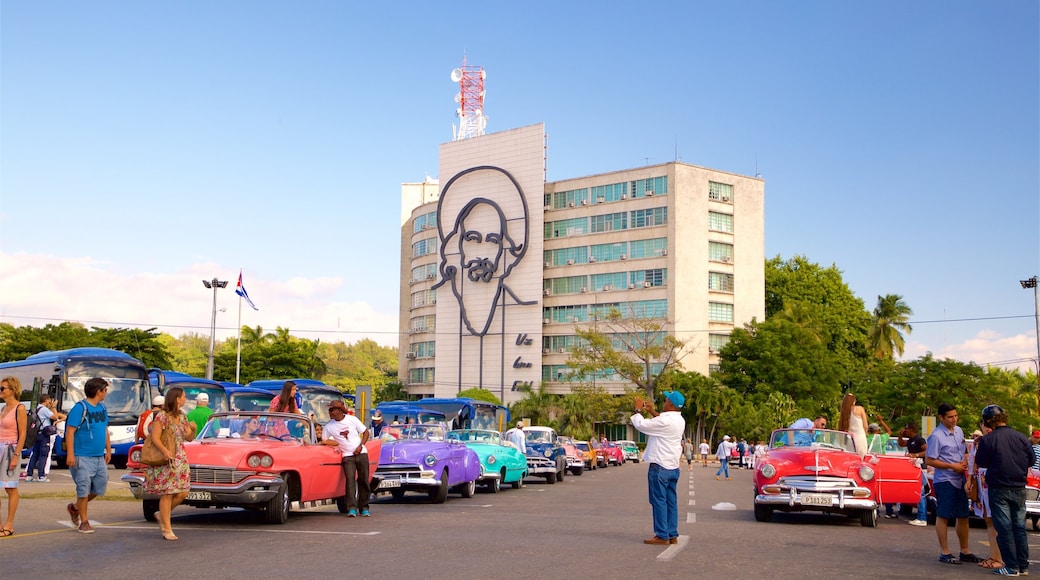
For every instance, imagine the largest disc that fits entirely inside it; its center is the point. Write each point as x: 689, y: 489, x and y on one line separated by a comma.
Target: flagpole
x: 238, y: 354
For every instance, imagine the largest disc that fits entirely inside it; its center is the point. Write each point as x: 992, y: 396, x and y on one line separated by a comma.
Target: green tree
x: 538, y: 405
x: 585, y: 407
x: 890, y: 322
x: 638, y: 349
x: 480, y: 395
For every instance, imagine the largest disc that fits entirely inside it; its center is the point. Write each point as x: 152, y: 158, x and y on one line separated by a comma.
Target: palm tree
x: 889, y: 324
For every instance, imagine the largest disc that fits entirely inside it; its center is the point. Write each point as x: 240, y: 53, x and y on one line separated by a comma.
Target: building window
x: 426, y: 221
x: 720, y: 281
x: 567, y: 285
x: 720, y: 222
x: 424, y: 349
x: 424, y: 297
x: 720, y: 252
x: 566, y: 314
x: 573, y: 198
x: 609, y: 252
x: 609, y: 222
x: 648, y: 248
x: 655, y: 277
x: 424, y: 375
x: 564, y: 228
x: 567, y: 256
x: 644, y: 218
x: 648, y: 187
x: 609, y: 193
x: 607, y: 282
x: 565, y: 343
x: 714, y: 368
x: 424, y: 247
x: 426, y: 323
x: 720, y: 312
x: 424, y: 272
x: 717, y: 341
x: 720, y: 191
x: 647, y: 309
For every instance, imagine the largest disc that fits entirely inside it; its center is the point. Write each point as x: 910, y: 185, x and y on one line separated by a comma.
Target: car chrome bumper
x: 793, y: 501
x: 575, y: 462
x: 252, y: 490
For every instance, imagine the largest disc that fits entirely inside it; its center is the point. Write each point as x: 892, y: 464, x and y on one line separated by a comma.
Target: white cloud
x: 38, y: 289
x: 986, y: 347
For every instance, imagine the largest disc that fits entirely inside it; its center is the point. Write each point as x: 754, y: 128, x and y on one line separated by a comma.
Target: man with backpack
x: 89, y: 450
x: 41, y: 428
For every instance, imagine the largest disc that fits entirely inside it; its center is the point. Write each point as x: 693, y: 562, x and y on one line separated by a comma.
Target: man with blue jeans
x: 664, y: 434
x: 89, y: 450
x: 1007, y: 456
x: 916, y: 447
x: 947, y: 453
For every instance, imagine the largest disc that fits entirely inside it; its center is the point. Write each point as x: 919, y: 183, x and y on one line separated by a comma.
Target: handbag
x: 150, y: 453
x: 971, y: 488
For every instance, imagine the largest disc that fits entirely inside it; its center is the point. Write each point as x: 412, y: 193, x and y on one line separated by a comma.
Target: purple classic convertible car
x: 418, y: 457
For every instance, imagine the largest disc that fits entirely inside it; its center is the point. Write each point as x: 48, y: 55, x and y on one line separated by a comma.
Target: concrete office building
x: 498, y: 266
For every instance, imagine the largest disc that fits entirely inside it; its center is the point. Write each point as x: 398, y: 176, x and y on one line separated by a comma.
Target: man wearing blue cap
x: 664, y: 434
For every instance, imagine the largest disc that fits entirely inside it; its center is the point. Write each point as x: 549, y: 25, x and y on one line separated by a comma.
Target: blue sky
x: 144, y: 147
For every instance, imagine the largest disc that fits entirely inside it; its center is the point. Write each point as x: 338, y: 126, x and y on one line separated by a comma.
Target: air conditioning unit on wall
x: 409, y: 355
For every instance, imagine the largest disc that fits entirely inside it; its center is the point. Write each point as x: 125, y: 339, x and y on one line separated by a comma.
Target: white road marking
x: 693, y: 502
x: 674, y: 549
x: 255, y: 530
x: 691, y: 518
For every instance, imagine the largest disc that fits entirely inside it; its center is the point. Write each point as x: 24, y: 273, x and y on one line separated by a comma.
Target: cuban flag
x: 241, y: 291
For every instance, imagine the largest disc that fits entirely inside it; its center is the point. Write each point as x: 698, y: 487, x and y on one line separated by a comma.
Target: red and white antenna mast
x: 471, y: 101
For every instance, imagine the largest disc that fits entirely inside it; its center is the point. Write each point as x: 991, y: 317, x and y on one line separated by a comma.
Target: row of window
x: 564, y: 373
x: 424, y: 297
x: 720, y: 191
x: 614, y: 251
x: 609, y: 222
x: 424, y: 247
x: 422, y: 375
x: 606, y: 282
x: 587, y: 312
x: 423, y: 349
x: 424, y: 272
x: 424, y: 323
x: 607, y: 193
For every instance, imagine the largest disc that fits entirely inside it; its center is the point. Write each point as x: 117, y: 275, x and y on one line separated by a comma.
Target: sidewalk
x: 61, y: 486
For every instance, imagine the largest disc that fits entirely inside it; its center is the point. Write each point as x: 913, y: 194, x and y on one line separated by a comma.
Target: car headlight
x: 866, y: 473
x: 266, y: 461
x: 548, y: 453
x: 430, y: 459
x: 768, y: 471
x: 135, y: 456
x: 491, y: 460
x: 253, y: 461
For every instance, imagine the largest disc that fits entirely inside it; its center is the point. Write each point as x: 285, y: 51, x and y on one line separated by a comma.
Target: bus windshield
x: 128, y: 388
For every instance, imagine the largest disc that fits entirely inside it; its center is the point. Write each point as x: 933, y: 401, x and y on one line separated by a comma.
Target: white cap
x: 726, y: 438
x: 202, y: 397
x: 158, y: 401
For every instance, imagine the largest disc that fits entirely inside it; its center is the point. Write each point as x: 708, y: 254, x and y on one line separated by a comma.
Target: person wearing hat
x: 1035, y: 440
x: 348, y: 435
x: 200, y: 414
x: 722, y: 453
x: 664, y: 435
x: 517, y: 437
x: 145, y: 421
x: 1007, y: 456
x: 377, y: 423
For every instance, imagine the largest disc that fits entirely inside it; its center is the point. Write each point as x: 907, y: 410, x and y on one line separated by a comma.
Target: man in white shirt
x: 664, y: 434
x: 517, y: 437
x: 348, y: 435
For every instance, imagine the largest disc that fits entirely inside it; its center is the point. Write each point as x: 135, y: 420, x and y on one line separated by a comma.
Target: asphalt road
x: 592, y: 525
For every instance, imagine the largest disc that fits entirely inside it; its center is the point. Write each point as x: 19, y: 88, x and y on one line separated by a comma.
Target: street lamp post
x: 1032, y: 283
x: 214, y: 284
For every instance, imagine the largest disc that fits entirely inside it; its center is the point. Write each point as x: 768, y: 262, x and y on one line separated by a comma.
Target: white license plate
x: 199, y: 496
x: 815, y: 499
x: 388, y: 483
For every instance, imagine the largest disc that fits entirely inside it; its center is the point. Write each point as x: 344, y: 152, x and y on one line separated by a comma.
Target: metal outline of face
x: 466, y: 241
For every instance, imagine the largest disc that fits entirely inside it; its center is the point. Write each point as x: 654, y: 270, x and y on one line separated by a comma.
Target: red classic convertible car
x: 256, y: 460
x: 819, y: 470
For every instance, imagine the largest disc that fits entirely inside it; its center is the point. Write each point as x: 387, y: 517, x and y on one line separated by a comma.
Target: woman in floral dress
x: 172, y: 481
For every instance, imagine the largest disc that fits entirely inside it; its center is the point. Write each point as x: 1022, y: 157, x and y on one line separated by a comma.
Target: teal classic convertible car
x: 500, y: 461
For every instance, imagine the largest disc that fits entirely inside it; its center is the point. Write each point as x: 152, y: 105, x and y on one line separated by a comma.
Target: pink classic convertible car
x: 819, y: 470
x: 257, y: 460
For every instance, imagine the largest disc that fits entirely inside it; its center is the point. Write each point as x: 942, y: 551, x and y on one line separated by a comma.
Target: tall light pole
x: 1032, y: 283
x: 214, y: 284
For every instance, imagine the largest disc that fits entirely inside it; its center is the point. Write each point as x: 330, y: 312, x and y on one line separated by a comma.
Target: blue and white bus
x: 62, y: 374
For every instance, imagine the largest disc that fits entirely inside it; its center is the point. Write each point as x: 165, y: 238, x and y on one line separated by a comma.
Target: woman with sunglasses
x: 12, y: 438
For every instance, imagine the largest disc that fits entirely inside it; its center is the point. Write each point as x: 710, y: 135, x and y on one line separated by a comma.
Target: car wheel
x: 763, y: 513
x: 277, y: 510
x: 119, y: 463
x: 341, y: 504
x: 495, y: 485
x: 520, y: 482
x: 561, y: 470
x: 150, y: 506
x: 468, y: 489
x: 62, y: 464
x: 397, y: 493
x: 1036, y: 523
x: 868, y: 518
x: 440, y: 493
x: 550, y: 478
x: 577, y: 470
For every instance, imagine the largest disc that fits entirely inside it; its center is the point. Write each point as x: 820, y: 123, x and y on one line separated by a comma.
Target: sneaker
x: 86, y: 528
x: 1023, y: 572
x: 73, y: 514
x: 917, y: 523
x: 891, y: 516
x: 43, y: 480
x: 365, y: 514
x: 1005, y: 571
x: 28, y: 479
x: 352, y: 513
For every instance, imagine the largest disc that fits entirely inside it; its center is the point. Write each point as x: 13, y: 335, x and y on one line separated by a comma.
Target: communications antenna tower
x: 470, y: 99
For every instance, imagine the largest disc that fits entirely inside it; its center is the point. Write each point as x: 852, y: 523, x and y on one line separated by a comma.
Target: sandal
x: 5, y: 533
x: 969, y: 558
x: 949, y: 559
x: 168, y: 535
x: 991, y: 564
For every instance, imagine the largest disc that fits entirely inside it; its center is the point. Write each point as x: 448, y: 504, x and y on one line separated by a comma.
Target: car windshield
x: 539, y: 436
x: 414, y: 432
x: 256, y: 426
x: 216, y: 394
x: 812, y: 438
x: 476, y: 435
x: 582, y: 446
x: 251, y: 401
